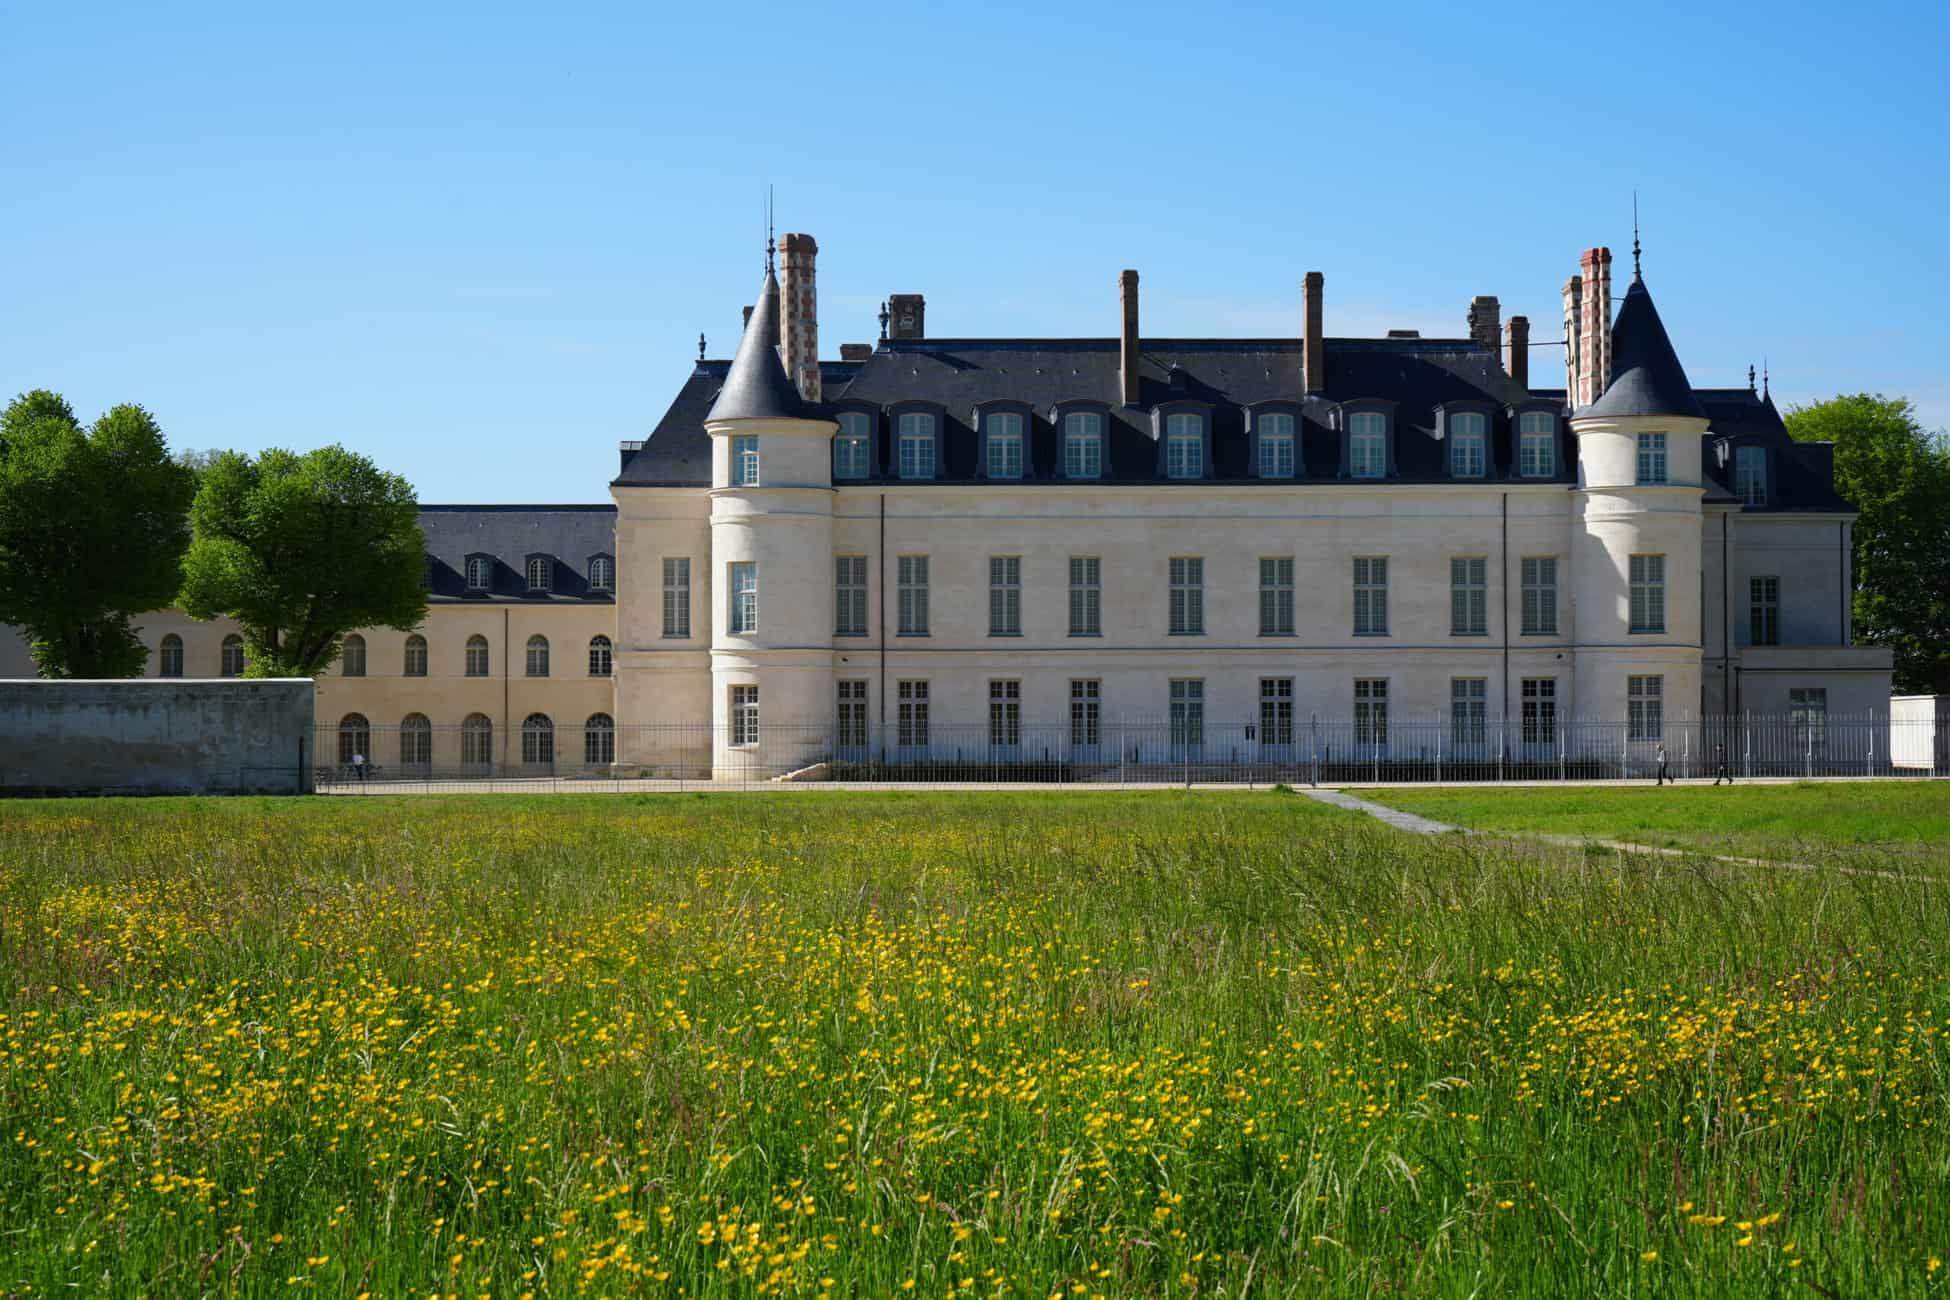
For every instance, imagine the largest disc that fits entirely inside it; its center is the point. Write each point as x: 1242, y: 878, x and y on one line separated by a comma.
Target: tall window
x: 1184, y: 446
x: 677, y: 596
x: 1371, y: 711
x: 912, y: 573
x: 479, y: 570
x: 1645, y: 699
x: 602, y: 657
x: 602, y: 573
x: 1750, y: 475
x: 352, y: 656
x: 477, y: 741
x: 415, y: 660
x: 1466, y: 697
x: 1187, y: 595
x: 1367, y: 445
x: 912, y: 716
x: 1540, y: 595
x: 1086, y: 713
x: 169, y: 656
x: 744, y: 461
x: 1808, y: 715
x: 743, y: 596
x: 849, y: 595
x: 1276, y: 595
x: 1276, y: 450
x: 541, y: 571
x: 1652, y: 458
x: 1469, y: 442
x: 1086, y: 595
x: 1083, y: 445
x: 853, y: 446
x: 1004, y: 440
x: 355, y: 739
x: 744, y: 715
x: 231, y: 657
x: 1275, y: 711
x: 1469, y: 596
x: 916, y: 441
x: 537, y: 740
x: 599, y: 740
x: 1005, y: 595
x: 538, y: 656
x: 850, y: 714
x: 1648, y: 593
x: 1187, y: 712
x: 1005, y: 714
x: 415, y: 741
x: 1764, y: 611
x: 1371, y: 595
x: 477, y: 656
x: 1539, y: 710
x: 1537, y: 444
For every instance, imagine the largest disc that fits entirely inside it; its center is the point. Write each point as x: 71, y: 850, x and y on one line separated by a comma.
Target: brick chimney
x: 1573, y: 342
x: 1127, y: 336
x: 1313, y: 348
x: 1517, y: 363
x: 799, y: 313
x: 1486, y: 321
x: 855, y: 351
x: 1593, y: 334
x: 908, y: 316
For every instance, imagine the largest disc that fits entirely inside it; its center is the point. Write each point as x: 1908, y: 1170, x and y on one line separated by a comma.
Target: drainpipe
x: 881, y: 618
x: 1506, y: 609
x: 504, y: 689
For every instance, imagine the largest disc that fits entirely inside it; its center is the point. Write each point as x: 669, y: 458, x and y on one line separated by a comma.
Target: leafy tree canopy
x: 301, y: 549
x: 1896, y: 473
x: 93, y: 527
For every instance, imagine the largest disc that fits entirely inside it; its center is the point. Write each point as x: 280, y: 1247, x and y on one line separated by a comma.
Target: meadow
x: 1150, y: 1044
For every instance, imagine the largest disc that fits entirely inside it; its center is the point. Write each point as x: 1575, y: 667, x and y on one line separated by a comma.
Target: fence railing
x: 1190, y: 749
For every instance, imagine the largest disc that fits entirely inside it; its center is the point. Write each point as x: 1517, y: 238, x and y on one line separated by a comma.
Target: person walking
x: 359, y: 766
x: 1720, y: 772
x: 1665, y: 777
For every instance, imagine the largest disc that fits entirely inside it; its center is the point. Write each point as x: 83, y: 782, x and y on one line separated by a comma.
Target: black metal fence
x: 1184, y: 750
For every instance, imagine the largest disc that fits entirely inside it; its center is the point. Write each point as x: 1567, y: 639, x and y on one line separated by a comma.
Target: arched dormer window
x: 480, y: 574
x: 1084, y: 429
x: 1367, y: 439
x: 541, y: 574
x: 1464, y: 428
x: 1184, y: 439
x: 1751, y: 473
x: 1537, y: 439
x: 602, y: 575
x: 1273, y: 438
x: 1003, y: 432
x: 853, y: 447
x: 917, y: 445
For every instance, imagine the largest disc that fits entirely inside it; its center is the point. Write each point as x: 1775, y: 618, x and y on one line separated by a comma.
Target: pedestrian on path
x: 1720, y: 772
x: 1664, y: 777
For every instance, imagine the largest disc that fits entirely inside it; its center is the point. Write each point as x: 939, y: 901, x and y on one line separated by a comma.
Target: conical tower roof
x: 1646, y: 377
x: 757, y: 387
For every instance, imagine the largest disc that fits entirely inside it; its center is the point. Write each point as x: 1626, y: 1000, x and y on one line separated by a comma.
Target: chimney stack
x: 1518, y: 362
x: 1127, y: 336
x: 799, y: 313
x: 1589, y: 335
x: 1313, y: 349
x: 909, y: 313
x: 1486, y: 321
x: 855, y: 351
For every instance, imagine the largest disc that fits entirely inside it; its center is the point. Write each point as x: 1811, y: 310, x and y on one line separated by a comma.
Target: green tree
x: 301, y: 549
x: 1897, y: 474
x: 93, y: 527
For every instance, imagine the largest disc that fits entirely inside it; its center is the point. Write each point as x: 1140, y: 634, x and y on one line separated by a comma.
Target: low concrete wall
x: 156, y: 736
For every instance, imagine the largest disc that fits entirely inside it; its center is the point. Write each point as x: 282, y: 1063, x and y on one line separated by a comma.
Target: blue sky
x: 479, y: 244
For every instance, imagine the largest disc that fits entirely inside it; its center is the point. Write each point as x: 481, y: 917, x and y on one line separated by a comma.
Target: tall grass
x: 1150, y: 1044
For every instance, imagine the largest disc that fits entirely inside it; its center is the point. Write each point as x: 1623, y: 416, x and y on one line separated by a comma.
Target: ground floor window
x: 1808, y: 715
x: 913, y: 716
x: 1371, y: 711
x: 355, y: 740
x: 599, y: 740
x: 850, y: 719
x: 537, y: 740
x: 415, y: 741
x: 1005, y: 713
x: 1466, y: 700
x: 744, y: 715
x: 1539, y: 710
x: 1275, y: 711
x: 1187, y: 712
x: 1086, y: 713
x: 1646, y: 705
x: 477, y: 740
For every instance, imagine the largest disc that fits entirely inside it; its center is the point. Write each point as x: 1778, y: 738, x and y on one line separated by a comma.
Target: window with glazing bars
x: 1086, y: 595
x: 1184, y: 446
x: 742, y: 593
x: 1537, y: 444
x: 1187, y: 711
x: 1648, y: 593
x: 1371, y: 595
x: 1652, y: 458
x: 850, y: 717
x: 1539, y: 710
x: 1645, y: 700
x: 1275, y: 711
x: 1004, y: 430
x: 1469, y: 599
x: 677, y: 596
x: 1086, y: 713
x: 744, y: 715
x: 1371, y: 711
x: 1808, y: 716
x: 1005, y: 713
x: 1187, y: 595
x: 1367, y: 445
x: 1466, y: 701
x: 916, y: 445
x: 849, y: 595
x: 1083, y: 445
x: 744, y: 461
x: 1750, y: 475
x: 1276, y: 595
x: 853, y: 446
x: 1005, y: 595
x: 1540, y: 595
x: 1276, y: 449
x: 911, y: 573
x: 912, y: 715
x: 1469, y: 442
x: 1764, y: 616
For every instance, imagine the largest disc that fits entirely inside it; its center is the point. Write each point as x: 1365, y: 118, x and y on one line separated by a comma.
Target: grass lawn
x: 1889, y: 823
x: 1159, y: 1043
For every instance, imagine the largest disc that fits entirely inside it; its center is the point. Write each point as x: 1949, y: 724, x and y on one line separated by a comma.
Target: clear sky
x: 479, y: 244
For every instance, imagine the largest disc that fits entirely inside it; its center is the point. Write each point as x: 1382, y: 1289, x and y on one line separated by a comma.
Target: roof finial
x: 1763, y: 377
x: 885, y: 316
x: 700, y: 345
x: 768, y: 230
x: 1635, y: 234
x: 1750, y: 379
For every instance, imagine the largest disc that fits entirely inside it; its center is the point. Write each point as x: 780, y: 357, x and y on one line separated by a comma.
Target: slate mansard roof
x: 570, y: 535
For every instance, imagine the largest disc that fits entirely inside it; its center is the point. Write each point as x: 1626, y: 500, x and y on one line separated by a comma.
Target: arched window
x: 479, y: 570
x: 602, y: 573
x: 352, y: 657
x: 537, y: 740
x: 170, y: 658
x: 355, y: 739
x: 599, y: 739
x: 538, y: 655
x: 853, y: 446
x: 599, y: 656
x: 416, y: 656
x: 540, y: 570
x: 477, y: 656
x: 233, y: 656
x: 477, y: 741
x: 415, y: 741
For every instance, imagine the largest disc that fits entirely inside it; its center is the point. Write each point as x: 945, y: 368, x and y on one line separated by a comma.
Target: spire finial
x: 1750, y: 379
x: 885, y: 316
x: 768, y: 230
x: 700, y: 345
x: 1635, y: 234
x: 1763, y: 377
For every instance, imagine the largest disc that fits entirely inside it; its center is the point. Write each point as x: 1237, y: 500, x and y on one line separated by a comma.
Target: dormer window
x: 1367, y: 445
x: 744, y: 461
x: 480, y: 570
x: 917, y: 445
x: 1537, y: 445
x: 1469, y: 444
x: 1184, y: 446
x: 541, y: 571
x: 1750, y: 475
x: 602, y: 573
x: 1003, y: 435
x: 1083, y: 445
x: 1277, y: 454
x: 853, y: 446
